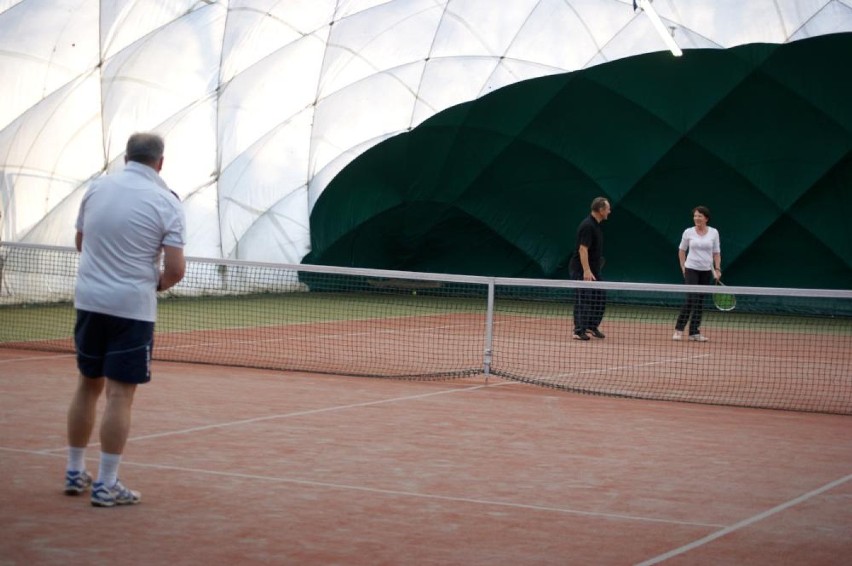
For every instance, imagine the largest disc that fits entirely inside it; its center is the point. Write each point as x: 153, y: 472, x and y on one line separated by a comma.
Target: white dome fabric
x: 262, y: 102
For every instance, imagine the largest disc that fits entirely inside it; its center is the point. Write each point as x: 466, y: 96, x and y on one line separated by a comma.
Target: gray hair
x: 599, y: 204
x: 145, y: 147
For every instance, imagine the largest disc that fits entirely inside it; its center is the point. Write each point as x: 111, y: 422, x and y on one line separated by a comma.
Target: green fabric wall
x: 761, y: 134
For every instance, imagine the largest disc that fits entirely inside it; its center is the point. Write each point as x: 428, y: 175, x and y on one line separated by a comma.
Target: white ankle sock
x: 76, y: 459
x: 108, y: 471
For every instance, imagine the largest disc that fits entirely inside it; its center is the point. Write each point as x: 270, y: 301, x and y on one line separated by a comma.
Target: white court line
x: 744, y: 523
x: 48, y: 452
x: 297, y: 338
x: 302, y: 413
x: 632, y: 366
x: 312, y: 338
x: 36, y: 358
x: 432, y: 496
x: 414, y: 494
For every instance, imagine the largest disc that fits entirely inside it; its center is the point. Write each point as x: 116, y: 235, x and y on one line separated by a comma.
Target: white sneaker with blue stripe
x: 77, y: 482
x: 103, y: 496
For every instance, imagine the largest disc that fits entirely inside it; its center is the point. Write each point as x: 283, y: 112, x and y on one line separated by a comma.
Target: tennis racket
x: 722, y: 300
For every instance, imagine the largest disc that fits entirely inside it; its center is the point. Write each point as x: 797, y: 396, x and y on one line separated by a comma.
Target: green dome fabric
x: 761, y: 134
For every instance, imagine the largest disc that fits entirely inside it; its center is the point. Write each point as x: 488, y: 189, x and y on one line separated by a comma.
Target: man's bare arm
x: 584, y: 261
x: 174, y: 267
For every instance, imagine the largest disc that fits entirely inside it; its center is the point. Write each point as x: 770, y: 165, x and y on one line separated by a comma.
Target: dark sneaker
x: 580, y: 336
x: 103, y: 496
x: 77, y: 482
x: 596, y: 333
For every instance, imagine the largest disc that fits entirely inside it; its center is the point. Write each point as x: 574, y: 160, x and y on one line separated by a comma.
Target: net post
x: 489, y: 331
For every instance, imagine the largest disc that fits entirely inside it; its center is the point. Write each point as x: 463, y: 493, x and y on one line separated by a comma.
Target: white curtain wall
x: 262, y: 102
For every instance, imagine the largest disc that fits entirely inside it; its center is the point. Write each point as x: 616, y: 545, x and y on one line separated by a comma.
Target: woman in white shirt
x: 700, y: 262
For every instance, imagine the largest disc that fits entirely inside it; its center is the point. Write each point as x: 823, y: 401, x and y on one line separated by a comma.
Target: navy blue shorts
x: 113, y: 347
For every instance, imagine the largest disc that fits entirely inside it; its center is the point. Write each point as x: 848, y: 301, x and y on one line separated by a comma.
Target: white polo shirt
x: 126, y: 218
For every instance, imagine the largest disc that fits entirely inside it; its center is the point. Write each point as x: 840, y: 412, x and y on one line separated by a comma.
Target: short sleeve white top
x: 700, y: 249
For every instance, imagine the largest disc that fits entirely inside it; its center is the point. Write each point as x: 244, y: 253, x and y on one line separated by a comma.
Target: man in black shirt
x: 585, y: 265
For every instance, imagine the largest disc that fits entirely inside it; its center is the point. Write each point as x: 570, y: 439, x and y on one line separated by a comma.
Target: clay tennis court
x: 256, y: 466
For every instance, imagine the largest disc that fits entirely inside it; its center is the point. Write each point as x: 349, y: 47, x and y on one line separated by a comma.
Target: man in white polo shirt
x: 127, y: 222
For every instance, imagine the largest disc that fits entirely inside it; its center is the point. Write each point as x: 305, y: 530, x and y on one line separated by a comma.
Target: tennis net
x: 779, y: 348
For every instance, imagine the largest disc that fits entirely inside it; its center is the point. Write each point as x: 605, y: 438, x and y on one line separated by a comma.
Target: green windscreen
x: 761, y: 134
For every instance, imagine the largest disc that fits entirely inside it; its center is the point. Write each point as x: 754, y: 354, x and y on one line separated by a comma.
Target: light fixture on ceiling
x: 646, y: 7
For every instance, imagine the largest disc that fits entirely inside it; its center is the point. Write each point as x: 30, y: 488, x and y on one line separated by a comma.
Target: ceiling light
x: 646, y: 7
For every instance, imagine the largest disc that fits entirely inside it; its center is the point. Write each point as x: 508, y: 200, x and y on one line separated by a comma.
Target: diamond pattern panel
x: 759, y: 133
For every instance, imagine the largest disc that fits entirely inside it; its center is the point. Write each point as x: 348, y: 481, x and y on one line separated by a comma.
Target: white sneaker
x: 77, y: 482
x: 678, y: 335
x: 103, y: 496
x: 698, y: 338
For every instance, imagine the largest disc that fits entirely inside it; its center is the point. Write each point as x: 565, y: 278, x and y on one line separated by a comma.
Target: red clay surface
x: 256, y: 466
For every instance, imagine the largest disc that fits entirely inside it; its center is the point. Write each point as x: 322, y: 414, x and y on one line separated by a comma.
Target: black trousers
x: 589, y: 306
x: 694, y: 305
